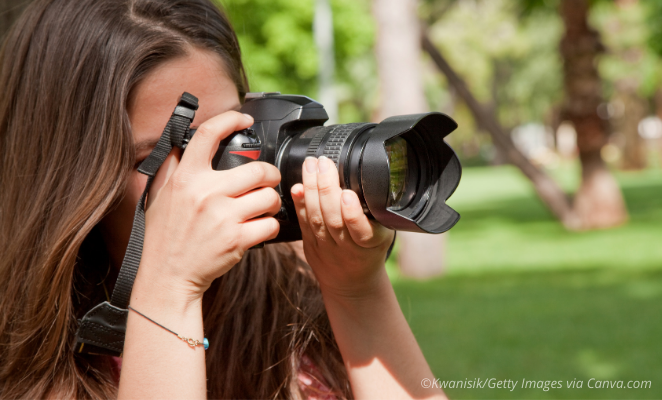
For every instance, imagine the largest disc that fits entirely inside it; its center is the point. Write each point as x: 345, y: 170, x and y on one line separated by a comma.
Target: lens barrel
x: 401, y: 169
x: 337, y: 142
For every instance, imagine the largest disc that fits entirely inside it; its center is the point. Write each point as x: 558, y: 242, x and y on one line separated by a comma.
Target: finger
x: 204, y: 144
x: 328, y: 185
x: 364, y: 232
x: 258, y: 230
x: 257, y: 203
x: 249, y: 176
x: 300, y: 207
x: 163, y: 175
x: 311, y: 197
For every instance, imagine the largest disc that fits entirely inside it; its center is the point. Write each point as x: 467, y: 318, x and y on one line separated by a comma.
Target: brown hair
x: 66, y: 73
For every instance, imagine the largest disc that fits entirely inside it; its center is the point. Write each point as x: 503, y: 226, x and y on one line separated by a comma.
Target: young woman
x: 87, y: 87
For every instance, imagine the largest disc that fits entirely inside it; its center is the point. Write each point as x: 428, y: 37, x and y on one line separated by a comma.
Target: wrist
x: 157, y: 290
x: 372, y: 290
x: 168, y: 305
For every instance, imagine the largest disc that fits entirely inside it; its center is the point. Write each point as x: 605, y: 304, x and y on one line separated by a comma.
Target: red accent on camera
x: 252, y: 154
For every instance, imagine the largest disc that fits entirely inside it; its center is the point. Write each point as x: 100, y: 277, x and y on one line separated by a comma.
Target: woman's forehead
x: 200, y: 72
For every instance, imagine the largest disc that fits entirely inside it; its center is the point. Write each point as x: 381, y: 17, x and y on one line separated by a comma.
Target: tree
x: 401, y: 92
x: 598, y: 202
x: 632, y: 71
x: 548, y: 191
x: 323, y: 33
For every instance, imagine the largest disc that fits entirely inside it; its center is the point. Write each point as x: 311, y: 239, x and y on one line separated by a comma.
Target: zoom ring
x: 315, y: 142
x: 337, y: 139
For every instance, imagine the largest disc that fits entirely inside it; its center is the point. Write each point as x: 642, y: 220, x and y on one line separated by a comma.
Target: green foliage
x: 628, y: 61
x: 279, y: 51
x: 529, y: 7
x: 508, y: 62
x: 654, y: 24
x: 508, y: 53
x: 506, y: 50
x: 626, y: 29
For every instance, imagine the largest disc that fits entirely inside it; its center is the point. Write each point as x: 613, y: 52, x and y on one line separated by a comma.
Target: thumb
x: 163, y: 175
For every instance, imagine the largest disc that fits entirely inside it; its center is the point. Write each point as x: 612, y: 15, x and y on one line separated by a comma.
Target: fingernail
x: 323, y: 164
x: 311, y: 164
x: 347, y: 197
x: 248, y: 116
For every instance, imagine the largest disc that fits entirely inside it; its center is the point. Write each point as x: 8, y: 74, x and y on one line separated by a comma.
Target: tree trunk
x: 398, y: 58
x: 323, y: 32
x: 657, y: 100
x: 598, y: 202
x: 546, y: 188
x: 399, y: 66
x: 9, y: 12
x: 627, y: 125
x: 658, y: 103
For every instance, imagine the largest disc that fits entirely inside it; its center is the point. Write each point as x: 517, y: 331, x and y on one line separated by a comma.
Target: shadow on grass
x: 643, y: 200
x: 602, y: 324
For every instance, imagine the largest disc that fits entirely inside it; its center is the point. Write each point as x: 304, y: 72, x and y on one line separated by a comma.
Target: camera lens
x: 401, y: 169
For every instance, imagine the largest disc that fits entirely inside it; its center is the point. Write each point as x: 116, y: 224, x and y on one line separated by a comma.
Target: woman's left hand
x: 346, y: 250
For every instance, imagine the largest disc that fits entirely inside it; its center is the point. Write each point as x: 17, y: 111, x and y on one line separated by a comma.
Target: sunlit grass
x: 523, y: 298
x: 504, y: 226
x: 561, y: 325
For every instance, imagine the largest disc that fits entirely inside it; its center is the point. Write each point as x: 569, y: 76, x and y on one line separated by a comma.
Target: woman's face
x: 201, y: 73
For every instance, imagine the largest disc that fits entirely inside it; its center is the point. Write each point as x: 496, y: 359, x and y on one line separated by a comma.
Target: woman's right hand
x: 199, y: 222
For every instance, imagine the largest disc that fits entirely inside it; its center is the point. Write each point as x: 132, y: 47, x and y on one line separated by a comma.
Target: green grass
x: 525, y: 299
x: 505, y: 227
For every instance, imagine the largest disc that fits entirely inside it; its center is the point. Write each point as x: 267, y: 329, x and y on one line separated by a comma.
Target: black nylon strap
x: 172, y: 135
x: 101, y: 330
x: 124, y: 283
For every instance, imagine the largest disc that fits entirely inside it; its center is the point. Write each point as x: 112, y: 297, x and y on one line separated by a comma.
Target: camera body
x: 401, y: 169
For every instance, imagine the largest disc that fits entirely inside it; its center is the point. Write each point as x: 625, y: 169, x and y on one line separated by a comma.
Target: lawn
x: 524, y: 299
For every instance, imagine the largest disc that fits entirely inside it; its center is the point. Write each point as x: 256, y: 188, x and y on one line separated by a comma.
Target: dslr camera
x: 402, y: 169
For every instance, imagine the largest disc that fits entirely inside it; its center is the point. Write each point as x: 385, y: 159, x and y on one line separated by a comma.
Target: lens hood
x: 437, y: 176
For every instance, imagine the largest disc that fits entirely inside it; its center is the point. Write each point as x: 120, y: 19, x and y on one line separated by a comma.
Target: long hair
x: 67, y: 69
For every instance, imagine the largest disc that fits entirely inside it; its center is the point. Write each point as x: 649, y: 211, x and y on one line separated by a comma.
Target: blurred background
x: 554, y: 271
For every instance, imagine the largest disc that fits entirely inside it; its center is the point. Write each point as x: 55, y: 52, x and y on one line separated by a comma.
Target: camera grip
x: 237, y: 149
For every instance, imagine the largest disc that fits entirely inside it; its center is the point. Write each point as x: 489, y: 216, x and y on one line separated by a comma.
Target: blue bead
x: 206, y: 343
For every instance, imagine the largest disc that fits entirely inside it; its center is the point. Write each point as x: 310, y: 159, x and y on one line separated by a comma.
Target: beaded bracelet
x: 189, y: 341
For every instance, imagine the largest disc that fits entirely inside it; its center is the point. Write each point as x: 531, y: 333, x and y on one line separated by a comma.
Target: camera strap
x: 102, y: 329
